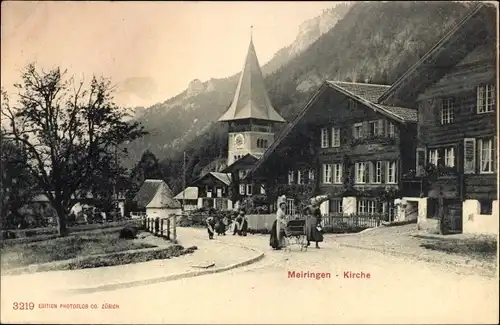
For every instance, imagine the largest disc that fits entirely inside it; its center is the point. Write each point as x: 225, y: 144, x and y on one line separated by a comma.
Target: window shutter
x: 371, y: 174
x: 469, y: 156
x: 383, y: 171
x: 353, y: 131
x: 386, y: 127
x: 367, y: 172
x: 420, y: 159
x: 381, y: 128
x: 366, y: 129
x: 441, y: 161
x: 495, y: 154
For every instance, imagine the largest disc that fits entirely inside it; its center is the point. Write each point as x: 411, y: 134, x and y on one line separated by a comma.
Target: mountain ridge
x: 352, y: 50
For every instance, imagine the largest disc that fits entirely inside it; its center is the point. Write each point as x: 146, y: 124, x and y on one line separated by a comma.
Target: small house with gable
x: 157, y: 198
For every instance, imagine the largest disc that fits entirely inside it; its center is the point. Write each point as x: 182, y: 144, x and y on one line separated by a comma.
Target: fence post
x: 144, y: 223
x: 161, y: 227
x: 175, y: 227
x: 168, y: 228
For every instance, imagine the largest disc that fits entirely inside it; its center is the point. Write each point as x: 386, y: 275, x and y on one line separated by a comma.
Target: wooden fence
x: 352, y: 220
x: 162, y: 227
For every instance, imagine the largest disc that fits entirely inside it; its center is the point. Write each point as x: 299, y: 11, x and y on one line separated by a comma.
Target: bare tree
x: 68, y: 131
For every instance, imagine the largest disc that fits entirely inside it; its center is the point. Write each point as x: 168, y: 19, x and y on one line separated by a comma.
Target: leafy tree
x: 18, y: 185
x: 68, y: 131
x: 148, y: 167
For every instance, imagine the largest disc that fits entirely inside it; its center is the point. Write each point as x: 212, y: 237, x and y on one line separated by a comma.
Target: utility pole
x: 184, y: 181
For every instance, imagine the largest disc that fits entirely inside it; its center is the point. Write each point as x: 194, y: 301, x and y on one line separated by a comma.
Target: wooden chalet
x: 213, y: 190
x: 454, y: 87
x: 346, y: 145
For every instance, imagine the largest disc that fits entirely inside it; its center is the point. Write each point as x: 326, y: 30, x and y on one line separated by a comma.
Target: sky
x: 151, y: 50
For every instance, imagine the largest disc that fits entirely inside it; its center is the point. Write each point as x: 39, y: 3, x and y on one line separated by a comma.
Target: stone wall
x: 476, y: 223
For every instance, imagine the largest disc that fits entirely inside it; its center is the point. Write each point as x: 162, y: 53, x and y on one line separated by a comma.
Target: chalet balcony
x: 433, y: 182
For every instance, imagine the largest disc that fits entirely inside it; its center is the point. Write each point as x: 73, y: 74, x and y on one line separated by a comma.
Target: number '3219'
x: 23, y: 305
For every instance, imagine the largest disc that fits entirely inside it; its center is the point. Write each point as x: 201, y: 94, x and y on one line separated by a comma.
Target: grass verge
x: 64, y: 248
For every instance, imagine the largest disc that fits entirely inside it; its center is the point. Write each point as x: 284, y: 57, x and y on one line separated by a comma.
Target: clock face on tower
x: 239, y: 140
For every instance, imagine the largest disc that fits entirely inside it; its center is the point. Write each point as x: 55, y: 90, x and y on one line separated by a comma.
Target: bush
x: 129, y: 232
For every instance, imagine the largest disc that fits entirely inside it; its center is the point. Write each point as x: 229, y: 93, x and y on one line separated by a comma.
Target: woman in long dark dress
x: 243, y: 223
x: 313, y: 221
x: 277, y: 240
x: 210, y: 226
x: 236, y: 222
x: 220, y: 227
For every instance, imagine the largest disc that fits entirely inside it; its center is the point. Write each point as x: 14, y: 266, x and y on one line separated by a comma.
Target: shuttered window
x: 391, y: 172
x: 486, y: 98
x: 373, y: 128
x: 249, y: 189
x: 357, y: 130
x: 311, y: 175
x: 242, y: 189
x: 381, y: 127
x: 337, y: 173
x: 262, y: 190
x: 391, y: 131
x: 434, y: 157
x: 378, y: 172
x: 469, y: 156
x: 335, y: 137
x: 327, y: 174
x: 290, y: 177
x: 299, y: 177
x: 360, y: 173
x: 324, y: 138
x: 449, y: 157
x: 420, y: 160
x: 486, y: 155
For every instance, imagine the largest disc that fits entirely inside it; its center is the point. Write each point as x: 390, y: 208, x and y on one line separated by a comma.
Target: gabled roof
x: 248, y: 158
x: 225, y: 178
x: 366, y: 94
x: 251, y: 99
x: 189, y: 193
x: 155, y: 193
x: 449, y: 51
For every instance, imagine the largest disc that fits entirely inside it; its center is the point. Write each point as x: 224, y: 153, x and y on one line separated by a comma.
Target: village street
x: 398, y: 291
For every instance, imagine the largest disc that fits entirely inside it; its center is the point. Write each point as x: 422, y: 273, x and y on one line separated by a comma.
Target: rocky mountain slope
x: 177, y: 121
x: 373, y: 42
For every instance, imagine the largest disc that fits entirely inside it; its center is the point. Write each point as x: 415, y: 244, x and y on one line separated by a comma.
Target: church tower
x: 251, y: 114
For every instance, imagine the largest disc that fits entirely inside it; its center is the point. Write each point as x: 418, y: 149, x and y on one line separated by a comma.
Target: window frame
x: 448, y: 107
x: 388, y: 164
x: 324, y: 138
x: 291, y: 177
x: 377, y: 179
x: 355, y: 127
x: 327, y: 174
x: 484, y: 105
x: 337, y: 169
x: 335, y: 137
x: 357, y: 174
x: 492, y: 155
x: 373, y: 128
x: 447, y: 152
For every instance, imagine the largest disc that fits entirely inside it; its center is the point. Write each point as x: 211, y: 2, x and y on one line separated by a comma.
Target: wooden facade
x: 343, y: 144
x: 454, y: 87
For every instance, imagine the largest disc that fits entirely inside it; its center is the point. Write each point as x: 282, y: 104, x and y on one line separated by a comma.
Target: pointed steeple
x: 251, y: 100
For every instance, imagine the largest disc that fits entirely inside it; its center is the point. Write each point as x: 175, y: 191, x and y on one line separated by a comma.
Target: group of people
x: 313, y: 231
x: 220, y: 224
